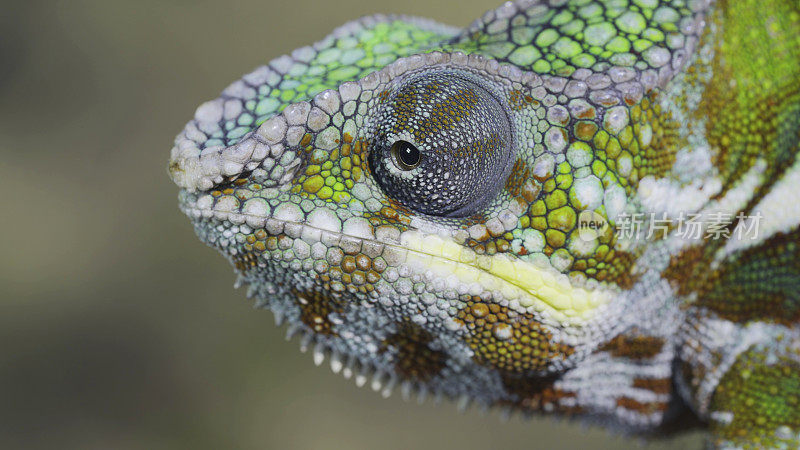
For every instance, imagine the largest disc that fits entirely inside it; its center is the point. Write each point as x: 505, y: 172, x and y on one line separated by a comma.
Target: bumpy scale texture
x: 492, y: 264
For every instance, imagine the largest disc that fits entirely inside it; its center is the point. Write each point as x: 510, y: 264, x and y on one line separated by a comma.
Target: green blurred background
x: 118, y: 328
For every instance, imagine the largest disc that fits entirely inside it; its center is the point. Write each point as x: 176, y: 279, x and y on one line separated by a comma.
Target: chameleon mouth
x: 520, y: 285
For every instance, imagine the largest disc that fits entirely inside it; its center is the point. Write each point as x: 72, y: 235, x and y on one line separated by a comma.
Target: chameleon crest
x: 585, y: 208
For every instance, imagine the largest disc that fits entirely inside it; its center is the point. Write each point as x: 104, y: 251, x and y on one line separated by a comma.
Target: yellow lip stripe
x: 530, y: 285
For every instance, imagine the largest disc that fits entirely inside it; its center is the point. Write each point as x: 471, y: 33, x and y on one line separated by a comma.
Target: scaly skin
x: 475, y: 274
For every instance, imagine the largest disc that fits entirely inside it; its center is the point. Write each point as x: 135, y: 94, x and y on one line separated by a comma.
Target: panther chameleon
x: 586, y: 208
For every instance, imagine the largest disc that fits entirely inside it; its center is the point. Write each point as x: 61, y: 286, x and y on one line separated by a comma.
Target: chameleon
x: 584, y: 208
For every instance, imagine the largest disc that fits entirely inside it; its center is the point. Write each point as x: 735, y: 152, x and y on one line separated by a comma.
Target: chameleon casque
x: 441, y: 209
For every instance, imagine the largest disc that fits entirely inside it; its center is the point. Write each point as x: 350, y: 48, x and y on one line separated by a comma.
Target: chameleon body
x: 443, y: 210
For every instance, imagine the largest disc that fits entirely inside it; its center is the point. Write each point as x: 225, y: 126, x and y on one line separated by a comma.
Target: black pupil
x: 408, y: 154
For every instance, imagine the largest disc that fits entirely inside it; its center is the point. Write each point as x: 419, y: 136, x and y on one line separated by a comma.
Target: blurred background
x: 119, y: 329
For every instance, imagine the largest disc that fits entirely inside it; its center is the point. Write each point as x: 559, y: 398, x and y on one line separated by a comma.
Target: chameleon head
x: 433, y: 207
x: 418, y: 224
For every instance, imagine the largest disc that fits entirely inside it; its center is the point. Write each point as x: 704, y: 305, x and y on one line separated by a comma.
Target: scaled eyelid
x: 450, y: 144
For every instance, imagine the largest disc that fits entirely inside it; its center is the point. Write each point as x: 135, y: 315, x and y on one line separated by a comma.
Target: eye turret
x: 443, y: 145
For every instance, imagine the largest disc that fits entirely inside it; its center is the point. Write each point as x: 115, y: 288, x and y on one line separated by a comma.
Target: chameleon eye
x: 406, y: 156
x: 442, y: 144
